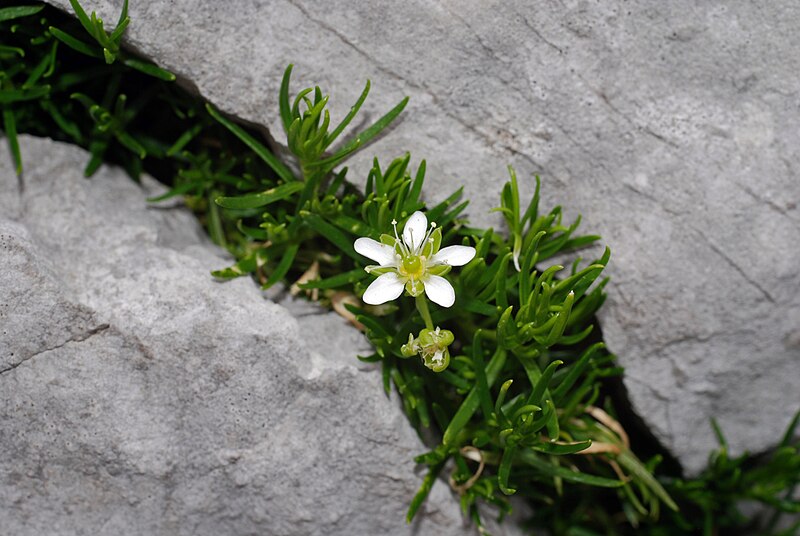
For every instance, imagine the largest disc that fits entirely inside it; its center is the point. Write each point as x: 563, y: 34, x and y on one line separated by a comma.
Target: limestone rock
x: 673, y: 130
x: 139, y: 396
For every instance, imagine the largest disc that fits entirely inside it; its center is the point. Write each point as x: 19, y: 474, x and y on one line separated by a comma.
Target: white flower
x: 414, y: 263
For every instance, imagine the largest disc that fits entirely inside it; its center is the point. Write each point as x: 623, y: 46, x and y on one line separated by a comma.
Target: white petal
x: 415, y: 229
x: 386, y: 288
x: 454, y: 255
x: 439, y: 290
x: 372, y: 249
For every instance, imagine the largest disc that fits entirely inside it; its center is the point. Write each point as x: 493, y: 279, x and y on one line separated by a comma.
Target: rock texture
x: 138, y: 396
x: 671, y: 127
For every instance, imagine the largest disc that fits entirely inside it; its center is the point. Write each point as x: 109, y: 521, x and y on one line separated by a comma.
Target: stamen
x: 403, y: 248
x: 427, y: 238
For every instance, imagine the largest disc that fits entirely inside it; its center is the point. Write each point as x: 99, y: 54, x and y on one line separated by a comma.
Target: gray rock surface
x: 139, y: 396
x: 671, y: 127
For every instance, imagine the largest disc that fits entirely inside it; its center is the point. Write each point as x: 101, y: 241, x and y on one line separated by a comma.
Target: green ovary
x: 412, y: 267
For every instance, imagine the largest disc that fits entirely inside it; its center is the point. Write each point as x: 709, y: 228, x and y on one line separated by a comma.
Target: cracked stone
x: 30, y: 291
x: 672, y: 130
x: 142, y: 397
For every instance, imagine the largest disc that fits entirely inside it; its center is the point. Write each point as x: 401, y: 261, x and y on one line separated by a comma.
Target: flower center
x: 412, y: 266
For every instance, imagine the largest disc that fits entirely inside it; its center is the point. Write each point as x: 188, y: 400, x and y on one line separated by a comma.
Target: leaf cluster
x: 522, y: 409
x: 525, y: 372
x: 50, y: 83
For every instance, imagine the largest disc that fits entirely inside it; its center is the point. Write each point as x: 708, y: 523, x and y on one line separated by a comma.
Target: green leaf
x: 123, y: 16
x: 260, y: 199
x: 374, y: 358
x: 349, y: 117
x: 530, y: 457
x: 501, y: 298
x: 437, y: 212
x: 533, y: 207
x: 75, y: 44
x: 38, y: 71
x: 246, y: 265
x: 498, y: 404
x: 12, y: 50
x: 109, y: 56
x: 102, y: 37
x: 333, y: 234
x: 481, y: 383
x: 69, y: 127
x: 720, y: 436
x: 477, y: 306
x: 561, y: 449
x: 283, y: 267
x: 84, y: 18
x: 543, y: 383
x: 184, y: 139
x: 552, y: 420
x: 561, y: 323
x: 252, y: 233
x: 351, y: 225
x: 412, y: 199
x: 362, y: 139
x: 283, y: 99
x: 472, y: 400
x: 215, y: 228
x: 131, y: 143
x: 504, y: 471
x: 575, y: 371
x: 373, y: 324
x: 94, y: 163
x: 178, y: 190
x: 423, y: 492
x: 627, y: 460
x: 270, y: 159
x: 346, y: 278
x: 116, y: 35
x: 16, y: 12
x: 16, y: 95
x: 10, y: 128
x: 337, y: 182
x: 149, y: 68
x: 86, y: 100
x: 788, y: 437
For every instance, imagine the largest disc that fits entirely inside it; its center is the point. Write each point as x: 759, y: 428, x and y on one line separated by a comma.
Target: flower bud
x: 431, y: 346
x: 435, y: 358
x: 411, y: 348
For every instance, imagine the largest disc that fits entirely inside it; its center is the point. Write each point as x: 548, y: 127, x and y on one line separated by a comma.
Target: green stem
x: 422, y: 307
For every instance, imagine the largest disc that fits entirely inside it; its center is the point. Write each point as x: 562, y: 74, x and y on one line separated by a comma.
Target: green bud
x: 411, y: 348
x: 436, y: 337
x: 433, y: 345
x: 437, y: 360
